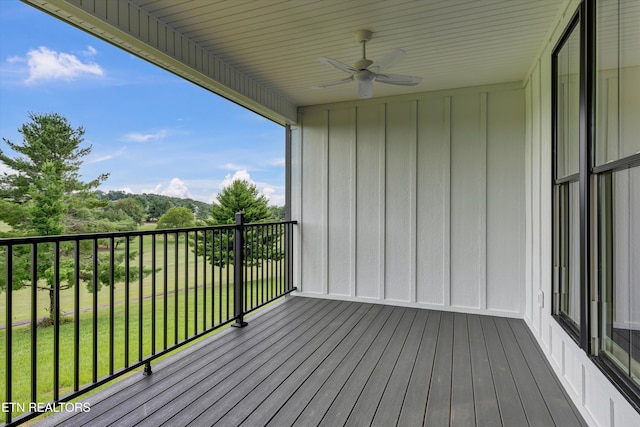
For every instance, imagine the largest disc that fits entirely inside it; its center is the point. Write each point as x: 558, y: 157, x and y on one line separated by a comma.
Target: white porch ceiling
x: 273, y: 46
x: 449, y: 43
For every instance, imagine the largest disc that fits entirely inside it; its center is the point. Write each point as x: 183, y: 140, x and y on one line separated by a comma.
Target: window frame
x: 580, y: 333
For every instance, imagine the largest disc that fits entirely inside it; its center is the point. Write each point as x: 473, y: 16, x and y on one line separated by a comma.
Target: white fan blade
x: 365, y: 89
x: 391, y: 59
x: 397, y: 79
x: 337, y: 82
x: 337, y: 64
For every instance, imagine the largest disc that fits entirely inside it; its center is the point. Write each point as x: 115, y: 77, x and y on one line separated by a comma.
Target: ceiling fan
x: 366, y: 71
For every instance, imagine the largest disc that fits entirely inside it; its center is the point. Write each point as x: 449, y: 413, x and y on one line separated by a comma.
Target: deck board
x: 347, y: 397
x: 202, y: 376
x: 511, y: 409
x: 562, y: 412
x: 484, y: 391
x: 439, y: 399
x: 312, y: 354
x: 415, y: 400
x: 365, y: 408
x: 314, y: 362
x: 388, y: 411
x: 462, y: 404
x: 297, y: 389
x: 532, y: 401
x: 234, y: 379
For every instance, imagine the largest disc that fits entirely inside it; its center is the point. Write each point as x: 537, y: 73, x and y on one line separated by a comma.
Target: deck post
x: 147, y: 369
x: 238, y: 279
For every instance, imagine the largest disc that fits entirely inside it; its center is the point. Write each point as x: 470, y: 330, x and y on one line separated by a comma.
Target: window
x: 596, y: 157
x: 617, y: 171
x: 566, y: 189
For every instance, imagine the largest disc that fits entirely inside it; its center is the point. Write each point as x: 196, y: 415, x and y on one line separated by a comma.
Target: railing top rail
x: 116, y: 234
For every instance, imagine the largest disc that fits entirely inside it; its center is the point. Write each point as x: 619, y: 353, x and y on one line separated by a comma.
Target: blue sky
x: 153, y: 132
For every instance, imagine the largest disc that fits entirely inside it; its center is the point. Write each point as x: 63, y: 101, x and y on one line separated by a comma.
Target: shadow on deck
x: 322, y: 362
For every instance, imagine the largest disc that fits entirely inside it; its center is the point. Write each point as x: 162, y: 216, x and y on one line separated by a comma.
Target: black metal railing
x: 81, y: 310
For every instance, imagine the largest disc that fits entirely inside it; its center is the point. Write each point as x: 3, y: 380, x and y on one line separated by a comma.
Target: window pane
x: 568, y: 106
x: 570, y: 298
x: 618, y: 80
x: 620, y: 269
x: 567, y: 252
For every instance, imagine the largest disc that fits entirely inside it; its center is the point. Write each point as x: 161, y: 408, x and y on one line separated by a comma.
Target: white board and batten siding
x: 414, y: 200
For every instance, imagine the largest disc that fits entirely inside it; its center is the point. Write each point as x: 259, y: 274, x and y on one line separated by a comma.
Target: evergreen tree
x: 44, y: 196
x: 242, y: 196
x: 45, y: 176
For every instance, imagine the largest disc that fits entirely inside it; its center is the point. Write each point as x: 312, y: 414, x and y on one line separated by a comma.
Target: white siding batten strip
x: 482, y: 204
x: 382, y: 143
x: 528, y: 314
x: 353, y: 207
x: 446, y: 202
x: 325, y: 204
x: 413, y: 208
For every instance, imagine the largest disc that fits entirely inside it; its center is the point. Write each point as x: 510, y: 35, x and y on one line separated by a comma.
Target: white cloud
x: 176, y: 188
x: 47, y: 64
x: 239, y: 175
x: 145, y: 137
x: 232, y: 167
x: 277, y: 199
x: 105, y: 157
x: 268, y: 191
x: 98, y: 159
x: 279, y: 162
x: 91, y: 51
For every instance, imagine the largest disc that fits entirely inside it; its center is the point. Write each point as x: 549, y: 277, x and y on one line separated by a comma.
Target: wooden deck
x: 310, y: 362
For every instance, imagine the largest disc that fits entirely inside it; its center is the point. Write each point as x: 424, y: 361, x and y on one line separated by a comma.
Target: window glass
x: 568, y: 251
x: 618, y: 80
x: 620, y: 269
x: 568, y: 106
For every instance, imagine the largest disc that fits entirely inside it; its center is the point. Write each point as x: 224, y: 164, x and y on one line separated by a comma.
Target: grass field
x: 185, y: 306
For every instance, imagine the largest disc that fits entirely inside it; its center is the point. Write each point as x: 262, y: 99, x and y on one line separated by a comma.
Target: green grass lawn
x: 21, y: 307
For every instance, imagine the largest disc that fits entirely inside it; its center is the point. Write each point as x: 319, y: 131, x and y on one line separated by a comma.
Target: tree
x: 176, y: 218
x: 241, y: 196
x: 131, y: 207
x: 43, y: 196
x: 157, y: 207
x: 46, y: 174
x: 278, y: 212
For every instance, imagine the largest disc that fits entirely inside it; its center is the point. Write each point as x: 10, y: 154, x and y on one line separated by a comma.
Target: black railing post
x: 238, y: 279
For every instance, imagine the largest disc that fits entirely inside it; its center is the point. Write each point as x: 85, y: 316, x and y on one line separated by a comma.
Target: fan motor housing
x: 362, y: 64
x: 365, y: 76
x: 363, y: 36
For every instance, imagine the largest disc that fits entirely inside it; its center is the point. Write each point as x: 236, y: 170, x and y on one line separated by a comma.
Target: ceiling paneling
x: 448, y: 43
